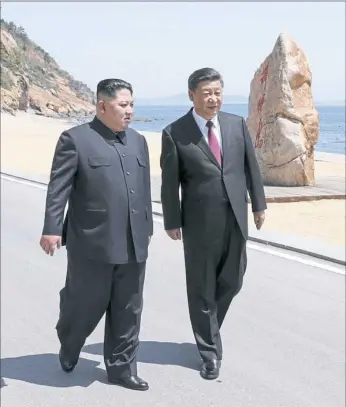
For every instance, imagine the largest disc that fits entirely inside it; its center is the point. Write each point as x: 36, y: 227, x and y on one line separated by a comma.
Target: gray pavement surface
x: 284, y: 337
x: 292, y: 242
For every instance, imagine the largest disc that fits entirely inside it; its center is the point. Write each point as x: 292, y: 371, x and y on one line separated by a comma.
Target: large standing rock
x: 283, y: 121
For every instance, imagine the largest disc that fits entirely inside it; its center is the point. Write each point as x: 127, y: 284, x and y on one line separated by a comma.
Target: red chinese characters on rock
x: 259, y: 140
x: 260, y: 104
x: 264, y: 74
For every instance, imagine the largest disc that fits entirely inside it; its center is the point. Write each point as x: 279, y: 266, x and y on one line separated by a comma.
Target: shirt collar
x: 108, y: 134
x: 201, y: 121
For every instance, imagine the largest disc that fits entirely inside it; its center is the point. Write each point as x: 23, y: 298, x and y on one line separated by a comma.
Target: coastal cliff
x: 32, y: 81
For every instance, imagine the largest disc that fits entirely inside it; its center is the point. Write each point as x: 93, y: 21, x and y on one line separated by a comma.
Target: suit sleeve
x: 64, y: 167
x: 169, y: 162
x: 148, y: 188
x: 253, y: 174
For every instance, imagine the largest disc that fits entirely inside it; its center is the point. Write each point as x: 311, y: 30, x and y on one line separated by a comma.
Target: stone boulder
x: 283, y: 121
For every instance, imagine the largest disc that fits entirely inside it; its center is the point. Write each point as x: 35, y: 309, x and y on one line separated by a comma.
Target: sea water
x: 332, y: 122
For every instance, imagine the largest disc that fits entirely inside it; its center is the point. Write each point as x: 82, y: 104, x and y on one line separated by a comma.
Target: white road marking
x: 279, y: 253
x: 28, y: 183
x: 308, y: 262
x: 253, y: 246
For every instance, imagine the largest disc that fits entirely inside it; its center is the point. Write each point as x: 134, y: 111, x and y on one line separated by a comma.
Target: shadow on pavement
x: 160, y: 353
x: 44, y: 370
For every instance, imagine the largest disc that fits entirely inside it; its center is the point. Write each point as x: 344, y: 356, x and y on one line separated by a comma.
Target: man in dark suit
x: 209, y: 155
x: 101, y: 169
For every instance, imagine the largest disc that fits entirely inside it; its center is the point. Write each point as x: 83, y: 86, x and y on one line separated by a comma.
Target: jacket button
x: 132, y: 191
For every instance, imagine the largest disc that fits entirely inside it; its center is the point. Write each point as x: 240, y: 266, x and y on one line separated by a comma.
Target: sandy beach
x: 323, y: 220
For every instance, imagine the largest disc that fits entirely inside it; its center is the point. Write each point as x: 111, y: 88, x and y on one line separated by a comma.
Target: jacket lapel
x: 199, y: 140
x: 225, y: 130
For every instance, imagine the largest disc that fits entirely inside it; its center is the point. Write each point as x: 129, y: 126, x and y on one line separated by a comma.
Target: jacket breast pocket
x: 236, y: 141
x: 99, y: 161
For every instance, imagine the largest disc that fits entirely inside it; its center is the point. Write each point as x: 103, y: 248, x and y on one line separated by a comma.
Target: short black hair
x: 204, y: 74
x: 110, y: 87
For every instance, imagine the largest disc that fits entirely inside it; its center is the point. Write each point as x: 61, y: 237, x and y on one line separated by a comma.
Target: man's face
x: 117, y: 113
x: 207, y: 98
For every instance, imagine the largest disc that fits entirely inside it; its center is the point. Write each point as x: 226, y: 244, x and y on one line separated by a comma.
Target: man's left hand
x: 259, y: 219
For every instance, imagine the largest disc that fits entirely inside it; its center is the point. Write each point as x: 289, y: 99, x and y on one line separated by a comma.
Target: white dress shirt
x: 201, y: 122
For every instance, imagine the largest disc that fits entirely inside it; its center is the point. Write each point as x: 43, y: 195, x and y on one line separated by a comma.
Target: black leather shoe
x: 210, y: 370
x: 131, y: 382
x: 65, y: 364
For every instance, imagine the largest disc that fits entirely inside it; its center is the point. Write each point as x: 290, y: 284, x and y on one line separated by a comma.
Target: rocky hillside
x: 31, y: 80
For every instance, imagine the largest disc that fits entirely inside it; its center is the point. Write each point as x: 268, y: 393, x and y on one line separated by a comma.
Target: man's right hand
x: 50, y: 243
x: 174, y: 234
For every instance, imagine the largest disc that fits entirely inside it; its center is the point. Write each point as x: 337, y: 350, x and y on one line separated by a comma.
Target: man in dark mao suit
x: 209, y: 154
x: 101, y: 169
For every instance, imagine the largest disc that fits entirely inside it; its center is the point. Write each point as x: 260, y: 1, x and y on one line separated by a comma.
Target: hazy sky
x: 156, y: 46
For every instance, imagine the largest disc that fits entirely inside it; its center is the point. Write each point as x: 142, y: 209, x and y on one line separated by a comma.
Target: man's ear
x: 191, y: 95
x: 101, y: 106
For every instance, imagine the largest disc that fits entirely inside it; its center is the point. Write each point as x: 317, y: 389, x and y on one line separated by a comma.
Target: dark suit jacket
x: 105, y: 180
x: 187, y: 162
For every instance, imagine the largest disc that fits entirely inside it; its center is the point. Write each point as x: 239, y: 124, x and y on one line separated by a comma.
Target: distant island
x: 182, y: 99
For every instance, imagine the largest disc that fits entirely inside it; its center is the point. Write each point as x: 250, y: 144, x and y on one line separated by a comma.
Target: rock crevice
x: 289, y: 162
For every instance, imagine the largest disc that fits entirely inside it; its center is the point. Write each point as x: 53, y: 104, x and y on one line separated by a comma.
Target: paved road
x: 283, y: 339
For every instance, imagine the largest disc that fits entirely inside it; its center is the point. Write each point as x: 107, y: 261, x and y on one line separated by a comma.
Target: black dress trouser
x: 215, y: 263
x: 91, y: 290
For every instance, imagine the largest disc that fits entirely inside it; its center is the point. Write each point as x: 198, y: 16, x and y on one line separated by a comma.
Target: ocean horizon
x: 332, y: 122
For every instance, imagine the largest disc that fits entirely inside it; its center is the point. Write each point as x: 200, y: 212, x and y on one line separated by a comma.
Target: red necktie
x: 213, y: 142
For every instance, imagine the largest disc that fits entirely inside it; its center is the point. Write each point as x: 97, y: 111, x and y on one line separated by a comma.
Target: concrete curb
x: 297, y: 250
x: 295, y: 198
x: 284, y: 247
x: 253, y: 239
x: 303, y: 198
